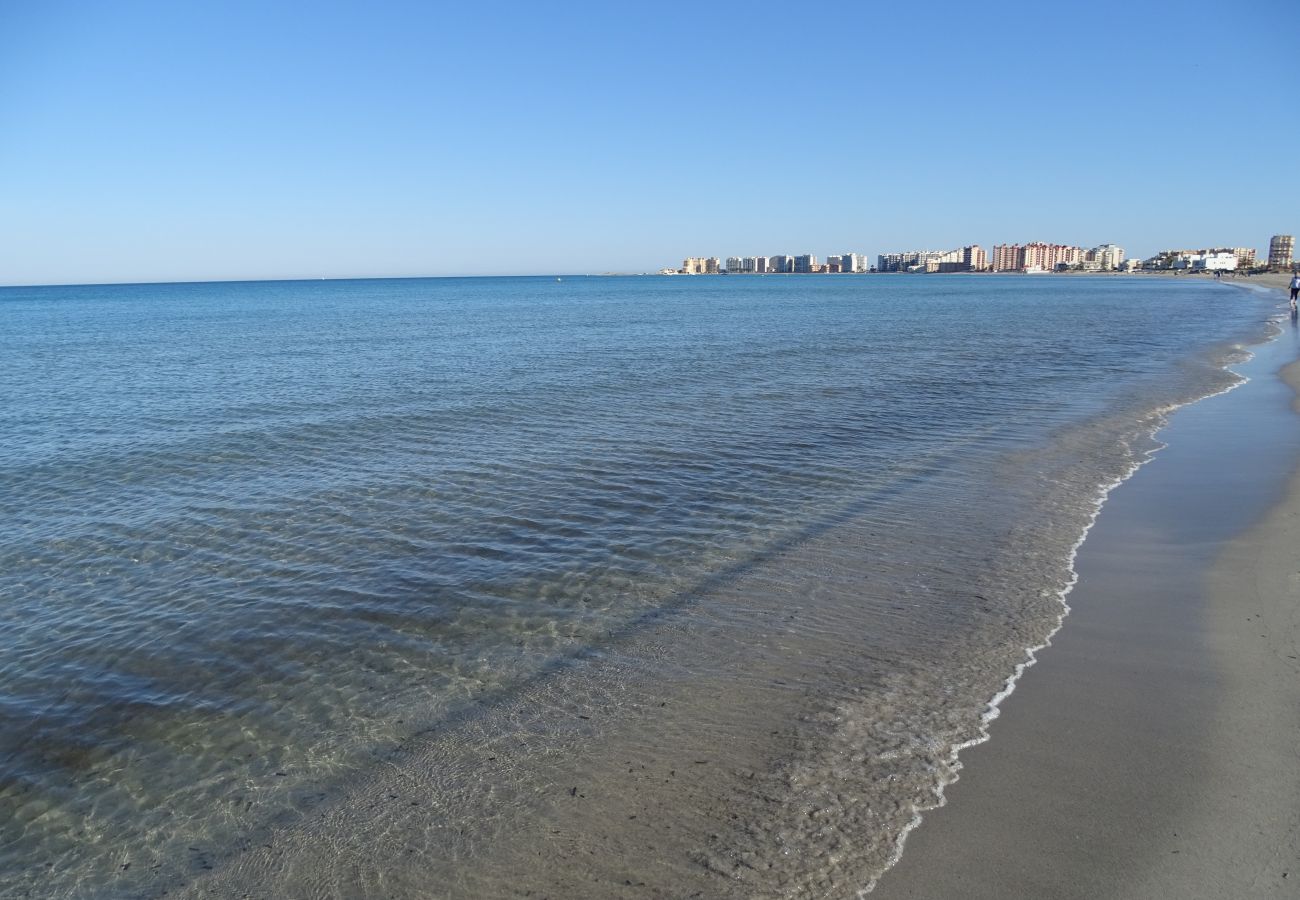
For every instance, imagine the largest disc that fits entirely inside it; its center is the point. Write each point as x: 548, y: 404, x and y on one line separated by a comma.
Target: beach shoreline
x: 596, y: 811
x: 1151, y: 751
x: 771, y: 720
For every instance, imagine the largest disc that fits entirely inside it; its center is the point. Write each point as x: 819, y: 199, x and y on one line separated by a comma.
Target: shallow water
x: 274, y: 550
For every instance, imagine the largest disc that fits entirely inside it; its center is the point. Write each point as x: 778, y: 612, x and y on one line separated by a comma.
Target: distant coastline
x: 1031, y: 258
x: 1109, y: 273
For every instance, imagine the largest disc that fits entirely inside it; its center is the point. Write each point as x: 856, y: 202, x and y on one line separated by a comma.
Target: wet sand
x: 1153, y: 750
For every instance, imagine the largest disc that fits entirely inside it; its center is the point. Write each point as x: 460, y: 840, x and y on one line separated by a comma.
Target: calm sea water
x: 269, y: 549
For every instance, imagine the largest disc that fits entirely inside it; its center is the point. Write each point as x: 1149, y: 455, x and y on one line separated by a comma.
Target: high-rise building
x: 1049, y: 256
x: 975, y: 258
x: 1281, y: 251
x: 735, y: 265
x: 1245, y: 257
x: 849, y: 262
x: 907, y: 261
x: 1008, y: 257
x: 964, y: 259
x: 1107, y: 257
x: 761, y: 264
x: 780, y: 263
x: 971, y: 258
x: 891, y: 262
x: 804, y: 263
x: 1036, y: 256
x: 699, y: 265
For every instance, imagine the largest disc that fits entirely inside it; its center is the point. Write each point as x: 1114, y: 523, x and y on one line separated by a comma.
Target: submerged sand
x: 1153, y: 751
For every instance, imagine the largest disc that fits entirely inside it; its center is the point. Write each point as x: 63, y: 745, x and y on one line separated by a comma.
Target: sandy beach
x: 1152, y: 750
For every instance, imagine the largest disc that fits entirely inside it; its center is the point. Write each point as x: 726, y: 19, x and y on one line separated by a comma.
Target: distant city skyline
x: 147, y: 141
x: 1033, y: 256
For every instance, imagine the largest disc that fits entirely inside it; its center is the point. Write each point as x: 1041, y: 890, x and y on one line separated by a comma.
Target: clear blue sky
x: 178, y: 141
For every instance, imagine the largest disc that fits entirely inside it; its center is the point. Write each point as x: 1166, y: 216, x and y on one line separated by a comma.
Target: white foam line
x: 993, y: 709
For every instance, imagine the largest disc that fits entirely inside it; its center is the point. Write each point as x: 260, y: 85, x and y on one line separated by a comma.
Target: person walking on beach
x: 1295, y: 288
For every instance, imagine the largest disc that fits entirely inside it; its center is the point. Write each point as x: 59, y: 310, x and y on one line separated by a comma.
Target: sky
x: 177, y: 141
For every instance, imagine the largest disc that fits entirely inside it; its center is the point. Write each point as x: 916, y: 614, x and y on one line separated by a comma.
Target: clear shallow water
x: 265, y: 541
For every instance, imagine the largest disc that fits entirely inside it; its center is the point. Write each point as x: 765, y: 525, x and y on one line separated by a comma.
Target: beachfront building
x: 1208, y: 261
x: 746, y: 265
x: 1035, y: 257
x: 1281, y: 251
x: 805, y: 263
x: 1219, y: 261
x: 1243, y: 258
x: 1050, y: 257
x: 896, y: 262
x: 1007, y: 257
x: 701, y: 265
x: 848, y: 262
x: 965, y: 259
x: 948, y: 261
x: 934, y: 261
x: 780, y: 263
x: 908, y: 261
x: 1165, y: 259
x: 1106, y: 258
x: 971, y: 258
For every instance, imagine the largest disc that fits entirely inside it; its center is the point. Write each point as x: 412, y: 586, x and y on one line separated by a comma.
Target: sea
x: 559, y: 586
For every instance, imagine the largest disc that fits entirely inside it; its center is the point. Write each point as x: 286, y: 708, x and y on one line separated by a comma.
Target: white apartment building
x: 1108, y: 257
x: 1221, y: 261
x: 1214, y: 261
x: 850, y: 262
